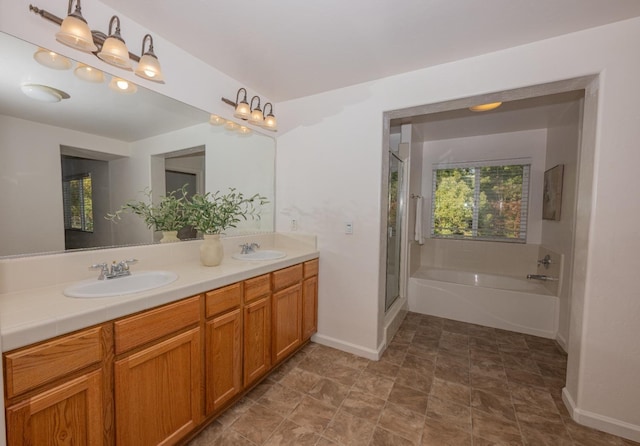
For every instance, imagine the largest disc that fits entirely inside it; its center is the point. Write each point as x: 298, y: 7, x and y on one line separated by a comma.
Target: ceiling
x: 286, y: 49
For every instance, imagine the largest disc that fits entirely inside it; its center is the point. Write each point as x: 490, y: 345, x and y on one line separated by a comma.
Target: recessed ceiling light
x: 44, y: 93
x: 485, y: 107
x: 51, y: 60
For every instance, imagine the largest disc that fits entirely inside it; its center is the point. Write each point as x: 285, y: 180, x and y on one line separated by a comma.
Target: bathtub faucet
x: 540, y: 277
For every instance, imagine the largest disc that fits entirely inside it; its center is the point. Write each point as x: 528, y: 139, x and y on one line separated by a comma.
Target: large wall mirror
x: 125, y: 144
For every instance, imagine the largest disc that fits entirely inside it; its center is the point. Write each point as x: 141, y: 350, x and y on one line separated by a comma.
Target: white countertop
x: 36, y: 314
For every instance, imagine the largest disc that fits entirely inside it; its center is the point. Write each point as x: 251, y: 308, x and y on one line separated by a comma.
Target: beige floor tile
x: 329, y: 392
x: 382, y: 437
x: 374, y: 384
x: 441, y: 433
x: 402, y: 422
x: 409, y: 398
x: 290, y: 434
x: 349, y: 430
x: 312, y: 414
x: 257, y: 424
x: 363, y: 405
x: 446, y: 411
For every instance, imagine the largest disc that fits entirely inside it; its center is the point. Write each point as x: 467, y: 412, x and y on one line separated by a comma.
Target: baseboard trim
x: 349, y: 347
x: 563, y: 342
x: 600, y: 422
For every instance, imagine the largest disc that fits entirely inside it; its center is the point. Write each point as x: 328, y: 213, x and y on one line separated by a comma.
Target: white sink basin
x: 136, y: 282
x: 265, y: 254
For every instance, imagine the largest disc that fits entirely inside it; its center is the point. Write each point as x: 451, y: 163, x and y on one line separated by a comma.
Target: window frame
x: 526, y: 163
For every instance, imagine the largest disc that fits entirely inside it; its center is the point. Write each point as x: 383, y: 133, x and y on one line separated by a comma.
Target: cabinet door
x: 70, y: 414
x: 223, y: 359
x: 257, y: 339
x: 309, y: 307
x: 158, y: 392
x: 287, y: 321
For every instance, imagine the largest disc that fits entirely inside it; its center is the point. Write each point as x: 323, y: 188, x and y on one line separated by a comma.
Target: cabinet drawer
x: 137, y: 330
x: 256, y: 287
x: 223, y: 299
x: 310, y: 268
x: 43, y: 363
x: 288, y: 276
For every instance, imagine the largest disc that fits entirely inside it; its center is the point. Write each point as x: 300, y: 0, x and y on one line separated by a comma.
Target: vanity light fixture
x: 88, y: 73
x: 253, y: 114
x: 74, y: 30
x: 244, y: 131
x: 243, y: 111
x: 111, y: 48
x: 123, y: 86
x: 230, y: 125
x: 52, y: 60
x: 485, y: 107
x: 149, y: 67
x: 114, y: 51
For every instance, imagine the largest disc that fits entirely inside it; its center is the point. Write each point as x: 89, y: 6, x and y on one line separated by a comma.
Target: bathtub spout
x: 540, y: 277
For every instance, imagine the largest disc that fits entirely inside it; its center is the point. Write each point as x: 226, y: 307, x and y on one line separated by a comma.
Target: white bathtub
x: 496, y: 301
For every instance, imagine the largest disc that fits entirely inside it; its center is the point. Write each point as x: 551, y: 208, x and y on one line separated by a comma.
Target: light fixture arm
x: 244, y: 98
x: 115, y: 35
x: 150, y: 51
x: 78, y: 11
x: 270, y: 105
x: 258, y: 107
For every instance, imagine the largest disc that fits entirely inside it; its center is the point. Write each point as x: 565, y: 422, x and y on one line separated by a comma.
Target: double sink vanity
x: 152, y: 366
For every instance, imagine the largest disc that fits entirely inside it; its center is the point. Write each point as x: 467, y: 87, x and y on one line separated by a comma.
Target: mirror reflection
x: 68, y: 161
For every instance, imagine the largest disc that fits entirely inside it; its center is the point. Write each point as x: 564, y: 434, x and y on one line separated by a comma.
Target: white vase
x: 211, y: 251
x: 169, y: 237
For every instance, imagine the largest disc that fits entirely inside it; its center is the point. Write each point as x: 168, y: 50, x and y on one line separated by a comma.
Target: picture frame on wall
x: 552, y: 193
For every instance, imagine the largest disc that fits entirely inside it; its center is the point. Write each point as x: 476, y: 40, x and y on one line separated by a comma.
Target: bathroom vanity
x: 158, y: 374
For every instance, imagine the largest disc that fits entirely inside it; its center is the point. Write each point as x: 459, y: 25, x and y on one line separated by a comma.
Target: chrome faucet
x: 120, y: 269
x: 540, y: 277
x: 247, y: 248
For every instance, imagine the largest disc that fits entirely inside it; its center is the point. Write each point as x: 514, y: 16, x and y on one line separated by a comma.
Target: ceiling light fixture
x: 485, y: 107
x: 44, y: 93
x: 114, y: 51
x: 149, y: 67
x: 216, y: 120
x: 253, y: 114
x: 89, y: 74
x: 74, y: 30
x: 123, y: 86
x: 51, y: 60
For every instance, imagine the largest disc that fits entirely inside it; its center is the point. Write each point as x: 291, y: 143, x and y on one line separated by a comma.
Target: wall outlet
x: 294, y: 225
x: 348, y: 228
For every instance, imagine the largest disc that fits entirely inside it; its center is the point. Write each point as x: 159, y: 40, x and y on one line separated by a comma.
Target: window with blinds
x: 481, y: 201
x: 78, y: 202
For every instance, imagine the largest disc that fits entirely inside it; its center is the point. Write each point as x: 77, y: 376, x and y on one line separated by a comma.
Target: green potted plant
x: 167, y: 215
x: 212, y: 213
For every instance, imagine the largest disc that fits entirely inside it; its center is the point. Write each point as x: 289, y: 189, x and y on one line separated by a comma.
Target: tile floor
x: 440, y: 382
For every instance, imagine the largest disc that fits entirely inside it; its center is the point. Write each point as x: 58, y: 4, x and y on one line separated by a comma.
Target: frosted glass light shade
x: 257, y: 117
x: 149, y: 68
x: 88, y: 74
x: 52, y: 60
x: 230, y: 125
x: 242, y: 110
x: 270, y: 123
x: 75, y: 32
x: 216, y: 120
x: 115, y: 52
x: 122, y: 86
x: 244, y: 130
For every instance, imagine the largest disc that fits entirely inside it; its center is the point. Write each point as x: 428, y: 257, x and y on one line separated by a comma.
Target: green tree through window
x: 78, y: 203
x: 483, y: 202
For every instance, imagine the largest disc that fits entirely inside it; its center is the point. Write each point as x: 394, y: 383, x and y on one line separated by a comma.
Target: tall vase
x: 169, y: 236
x: 211, y: 251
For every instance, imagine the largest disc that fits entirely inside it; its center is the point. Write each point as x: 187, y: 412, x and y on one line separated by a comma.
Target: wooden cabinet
x: 223, y: 346
x: 57, y: 392
x: 153, y: 378
x: 158, y: 386
x: 310, y: 299
x: 257, y: 328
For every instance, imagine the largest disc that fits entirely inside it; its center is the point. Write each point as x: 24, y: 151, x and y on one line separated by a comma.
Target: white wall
x: 563, y: 141
x: 29, y: 165
x: 329, y: 170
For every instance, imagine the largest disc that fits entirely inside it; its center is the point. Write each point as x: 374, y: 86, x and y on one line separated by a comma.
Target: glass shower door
x: 394, y: 228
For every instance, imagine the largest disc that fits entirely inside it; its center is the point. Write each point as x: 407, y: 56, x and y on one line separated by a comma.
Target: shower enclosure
x: 395, y: 213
